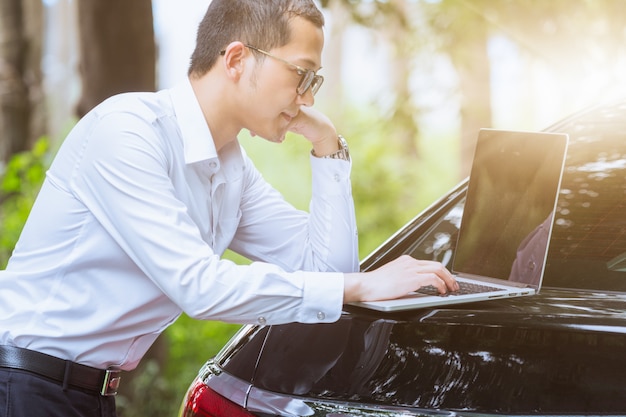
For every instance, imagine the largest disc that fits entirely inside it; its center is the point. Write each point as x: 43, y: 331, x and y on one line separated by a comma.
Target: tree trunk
x: 475, y: 89
x: 402, y: 38
x: 21, y: 100
x: 117, y: 50
x: 471, y: 61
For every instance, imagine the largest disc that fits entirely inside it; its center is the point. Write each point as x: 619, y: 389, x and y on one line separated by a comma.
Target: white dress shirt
x: 130, y: 225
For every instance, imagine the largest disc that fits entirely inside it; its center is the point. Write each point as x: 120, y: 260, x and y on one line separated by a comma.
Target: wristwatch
x: 342, y: 153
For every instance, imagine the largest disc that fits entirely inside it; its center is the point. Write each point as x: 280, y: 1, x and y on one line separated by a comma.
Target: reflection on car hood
x: 556, y: 352
x: 552, y: 307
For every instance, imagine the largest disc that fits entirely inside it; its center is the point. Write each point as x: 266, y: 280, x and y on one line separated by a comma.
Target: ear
x: 234, y: 59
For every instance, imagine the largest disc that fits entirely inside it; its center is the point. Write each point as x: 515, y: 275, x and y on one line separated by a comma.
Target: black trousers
x: 23, y: 394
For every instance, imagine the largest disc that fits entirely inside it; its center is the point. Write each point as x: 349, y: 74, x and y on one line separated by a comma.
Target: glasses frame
x: 309, y: 78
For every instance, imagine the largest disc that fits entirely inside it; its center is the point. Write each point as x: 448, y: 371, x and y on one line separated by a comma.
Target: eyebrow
x: 308, y: 64
x: 303, y: 62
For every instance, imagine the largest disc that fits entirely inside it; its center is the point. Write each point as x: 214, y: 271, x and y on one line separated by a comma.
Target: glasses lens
x: 316, y: 84
x: 305, y: 82
x: 310, y: 80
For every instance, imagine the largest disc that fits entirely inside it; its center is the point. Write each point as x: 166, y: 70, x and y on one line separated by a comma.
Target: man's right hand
x: 396, y: 279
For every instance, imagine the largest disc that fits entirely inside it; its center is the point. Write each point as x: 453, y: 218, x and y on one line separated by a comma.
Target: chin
x: 276, y: 137
x: 275, y: 134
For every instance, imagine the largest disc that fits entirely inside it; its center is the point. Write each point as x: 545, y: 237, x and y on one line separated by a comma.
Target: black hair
x: 260, y: 23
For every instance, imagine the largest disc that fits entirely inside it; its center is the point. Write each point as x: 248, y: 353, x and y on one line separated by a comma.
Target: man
x: 149, y: 190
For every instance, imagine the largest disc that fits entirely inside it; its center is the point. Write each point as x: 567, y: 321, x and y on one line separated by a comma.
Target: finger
x: 439, y: 284
x: 446, y: 276
x: 443, y: 280
x: 449, y: 281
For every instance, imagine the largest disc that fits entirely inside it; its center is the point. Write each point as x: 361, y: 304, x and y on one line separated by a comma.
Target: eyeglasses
x: 309, y: 78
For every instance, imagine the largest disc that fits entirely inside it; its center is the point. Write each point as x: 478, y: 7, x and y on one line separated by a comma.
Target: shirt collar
x: 198, y: 142
x: 197, y: 139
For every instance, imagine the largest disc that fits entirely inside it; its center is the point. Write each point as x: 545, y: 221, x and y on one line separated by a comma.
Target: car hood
x: 556, y: 352
x: 550, y: 308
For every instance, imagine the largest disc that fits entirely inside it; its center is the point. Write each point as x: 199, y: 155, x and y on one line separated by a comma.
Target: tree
x: 394, y: 22
x: 22, y: 118
x: 462, y: 33
x: 117, y: 50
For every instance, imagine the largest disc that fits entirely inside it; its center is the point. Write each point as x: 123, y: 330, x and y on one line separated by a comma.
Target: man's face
x: 271, y: 100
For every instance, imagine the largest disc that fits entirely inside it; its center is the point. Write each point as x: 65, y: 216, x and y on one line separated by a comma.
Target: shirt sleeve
x: 123, y: 180
x: 325, y: 239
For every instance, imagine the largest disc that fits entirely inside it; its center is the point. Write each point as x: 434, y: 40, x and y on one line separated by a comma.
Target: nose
x: 306, y: 99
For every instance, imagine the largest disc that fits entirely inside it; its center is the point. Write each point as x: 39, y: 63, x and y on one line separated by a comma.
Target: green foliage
x: 150, y: 393
x: 158, y: 389
x: 393, y: 177
x: 19, y: 186
x: 192, y: 342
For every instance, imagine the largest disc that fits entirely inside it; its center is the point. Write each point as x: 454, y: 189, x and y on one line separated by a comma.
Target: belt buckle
x: 111, y: 382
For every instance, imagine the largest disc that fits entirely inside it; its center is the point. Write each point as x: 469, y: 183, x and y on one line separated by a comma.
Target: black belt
x: 67, y: 373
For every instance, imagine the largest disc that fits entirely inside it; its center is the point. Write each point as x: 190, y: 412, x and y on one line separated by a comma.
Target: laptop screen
x: 508, y: 212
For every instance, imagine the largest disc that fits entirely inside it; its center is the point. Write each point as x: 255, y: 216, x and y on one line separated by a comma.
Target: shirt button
x: 262, y: 321
x: 337, y: 178
x: 321, y: 315
x: 213, y: 164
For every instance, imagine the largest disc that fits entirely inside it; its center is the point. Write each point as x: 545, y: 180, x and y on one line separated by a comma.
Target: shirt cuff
x: 322, y: 299
x: 330, y: 176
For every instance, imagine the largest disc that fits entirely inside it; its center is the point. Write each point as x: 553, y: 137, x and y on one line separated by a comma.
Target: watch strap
x: 343, y: 152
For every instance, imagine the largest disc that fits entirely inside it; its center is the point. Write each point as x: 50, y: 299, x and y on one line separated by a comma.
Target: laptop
x: 507, y: 221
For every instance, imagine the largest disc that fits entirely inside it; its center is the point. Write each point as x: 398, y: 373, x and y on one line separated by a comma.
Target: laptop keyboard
x: 465, y: 288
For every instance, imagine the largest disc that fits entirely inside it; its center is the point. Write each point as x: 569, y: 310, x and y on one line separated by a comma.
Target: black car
x: 561, y: 352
